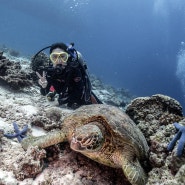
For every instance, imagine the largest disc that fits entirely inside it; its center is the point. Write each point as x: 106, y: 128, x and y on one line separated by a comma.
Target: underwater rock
x: 74, y: 168
x: 155, y: 105
x: 180, y: 176
x: 12, y: 75
x: 155, y: 116
x: 110, y: 95
x: 1, y: 55
x: 14, y: 53
x: 29, y: 164
x: 50, y: 118
x: 38, y: 64
x: 41, y: 60
x: 54, y: 114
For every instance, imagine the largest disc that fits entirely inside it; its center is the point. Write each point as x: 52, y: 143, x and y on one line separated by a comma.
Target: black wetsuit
x: 68, y: 84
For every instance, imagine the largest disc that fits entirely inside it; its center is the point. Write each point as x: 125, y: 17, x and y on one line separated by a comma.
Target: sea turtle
x: 105, y: 134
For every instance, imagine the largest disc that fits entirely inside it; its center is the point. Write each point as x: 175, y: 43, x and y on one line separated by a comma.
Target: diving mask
x: 56, y: 56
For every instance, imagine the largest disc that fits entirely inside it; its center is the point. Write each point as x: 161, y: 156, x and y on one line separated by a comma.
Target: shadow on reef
x: 90, y: 171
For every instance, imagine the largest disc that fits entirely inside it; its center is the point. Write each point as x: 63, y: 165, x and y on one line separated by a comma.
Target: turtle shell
x: 120, y: 130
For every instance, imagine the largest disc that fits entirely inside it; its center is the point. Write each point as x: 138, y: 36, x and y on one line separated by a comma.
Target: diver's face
x: 59, y: 56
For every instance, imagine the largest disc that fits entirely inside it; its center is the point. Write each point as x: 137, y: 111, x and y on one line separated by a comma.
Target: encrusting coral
x: 12, y: 75
x: 155, y: 116
x: 29, y: 164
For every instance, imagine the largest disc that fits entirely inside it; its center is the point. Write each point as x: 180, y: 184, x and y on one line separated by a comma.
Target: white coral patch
x: 7, y: 178
x: 29, y: 110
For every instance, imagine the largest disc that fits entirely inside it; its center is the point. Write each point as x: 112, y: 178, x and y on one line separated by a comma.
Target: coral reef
x: 110, y: 95
x: 41, y: 60
x: 60, y: 165
x: 74, y: 168
x: 12, y: 75
x: 50, y: 119
x: 29, y: 163
x: 157, y: 105
x: 38, y: 63
x: 155, y: 116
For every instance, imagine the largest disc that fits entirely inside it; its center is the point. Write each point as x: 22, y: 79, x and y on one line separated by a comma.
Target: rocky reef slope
x: 21, y: 102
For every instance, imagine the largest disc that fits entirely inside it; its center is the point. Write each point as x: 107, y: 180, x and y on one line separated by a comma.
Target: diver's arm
x: 45, y: 91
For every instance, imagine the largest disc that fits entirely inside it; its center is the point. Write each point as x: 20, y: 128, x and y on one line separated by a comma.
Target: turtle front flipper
x: 45, y: 140
x: 131, y: 167
x: 134, y: 172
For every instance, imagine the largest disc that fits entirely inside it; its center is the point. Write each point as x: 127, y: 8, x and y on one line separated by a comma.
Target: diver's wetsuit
x: 68, y: 84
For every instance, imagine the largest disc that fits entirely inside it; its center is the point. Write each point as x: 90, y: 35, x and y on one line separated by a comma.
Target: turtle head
x: 87, y: 138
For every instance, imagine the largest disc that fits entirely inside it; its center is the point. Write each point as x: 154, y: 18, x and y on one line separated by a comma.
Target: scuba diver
x: 66, y: 76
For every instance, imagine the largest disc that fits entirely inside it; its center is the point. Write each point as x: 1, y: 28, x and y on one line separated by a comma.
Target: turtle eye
x: 89, y: 147
x: 79, y: 138
x: 95, y: 137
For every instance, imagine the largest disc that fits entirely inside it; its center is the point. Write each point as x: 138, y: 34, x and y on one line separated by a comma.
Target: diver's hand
x: 63, y: 98
x: 42, y: 79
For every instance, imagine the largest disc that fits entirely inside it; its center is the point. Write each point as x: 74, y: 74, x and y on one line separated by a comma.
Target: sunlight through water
x: 180, y: 72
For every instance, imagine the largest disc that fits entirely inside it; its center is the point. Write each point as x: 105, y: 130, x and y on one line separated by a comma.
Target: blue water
x: 132, y: 44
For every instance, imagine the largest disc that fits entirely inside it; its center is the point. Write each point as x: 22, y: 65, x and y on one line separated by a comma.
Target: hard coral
x: 54, y: 114
x: 156, y: 105
x: 155, y: 116
x: 29, y: 164
x: 12, y: 75
x: 38, y: 64
x: 167, y: 118
x: 41, y: 60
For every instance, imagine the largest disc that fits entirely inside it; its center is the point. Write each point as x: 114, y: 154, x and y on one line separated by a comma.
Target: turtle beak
x: 76, y: 145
